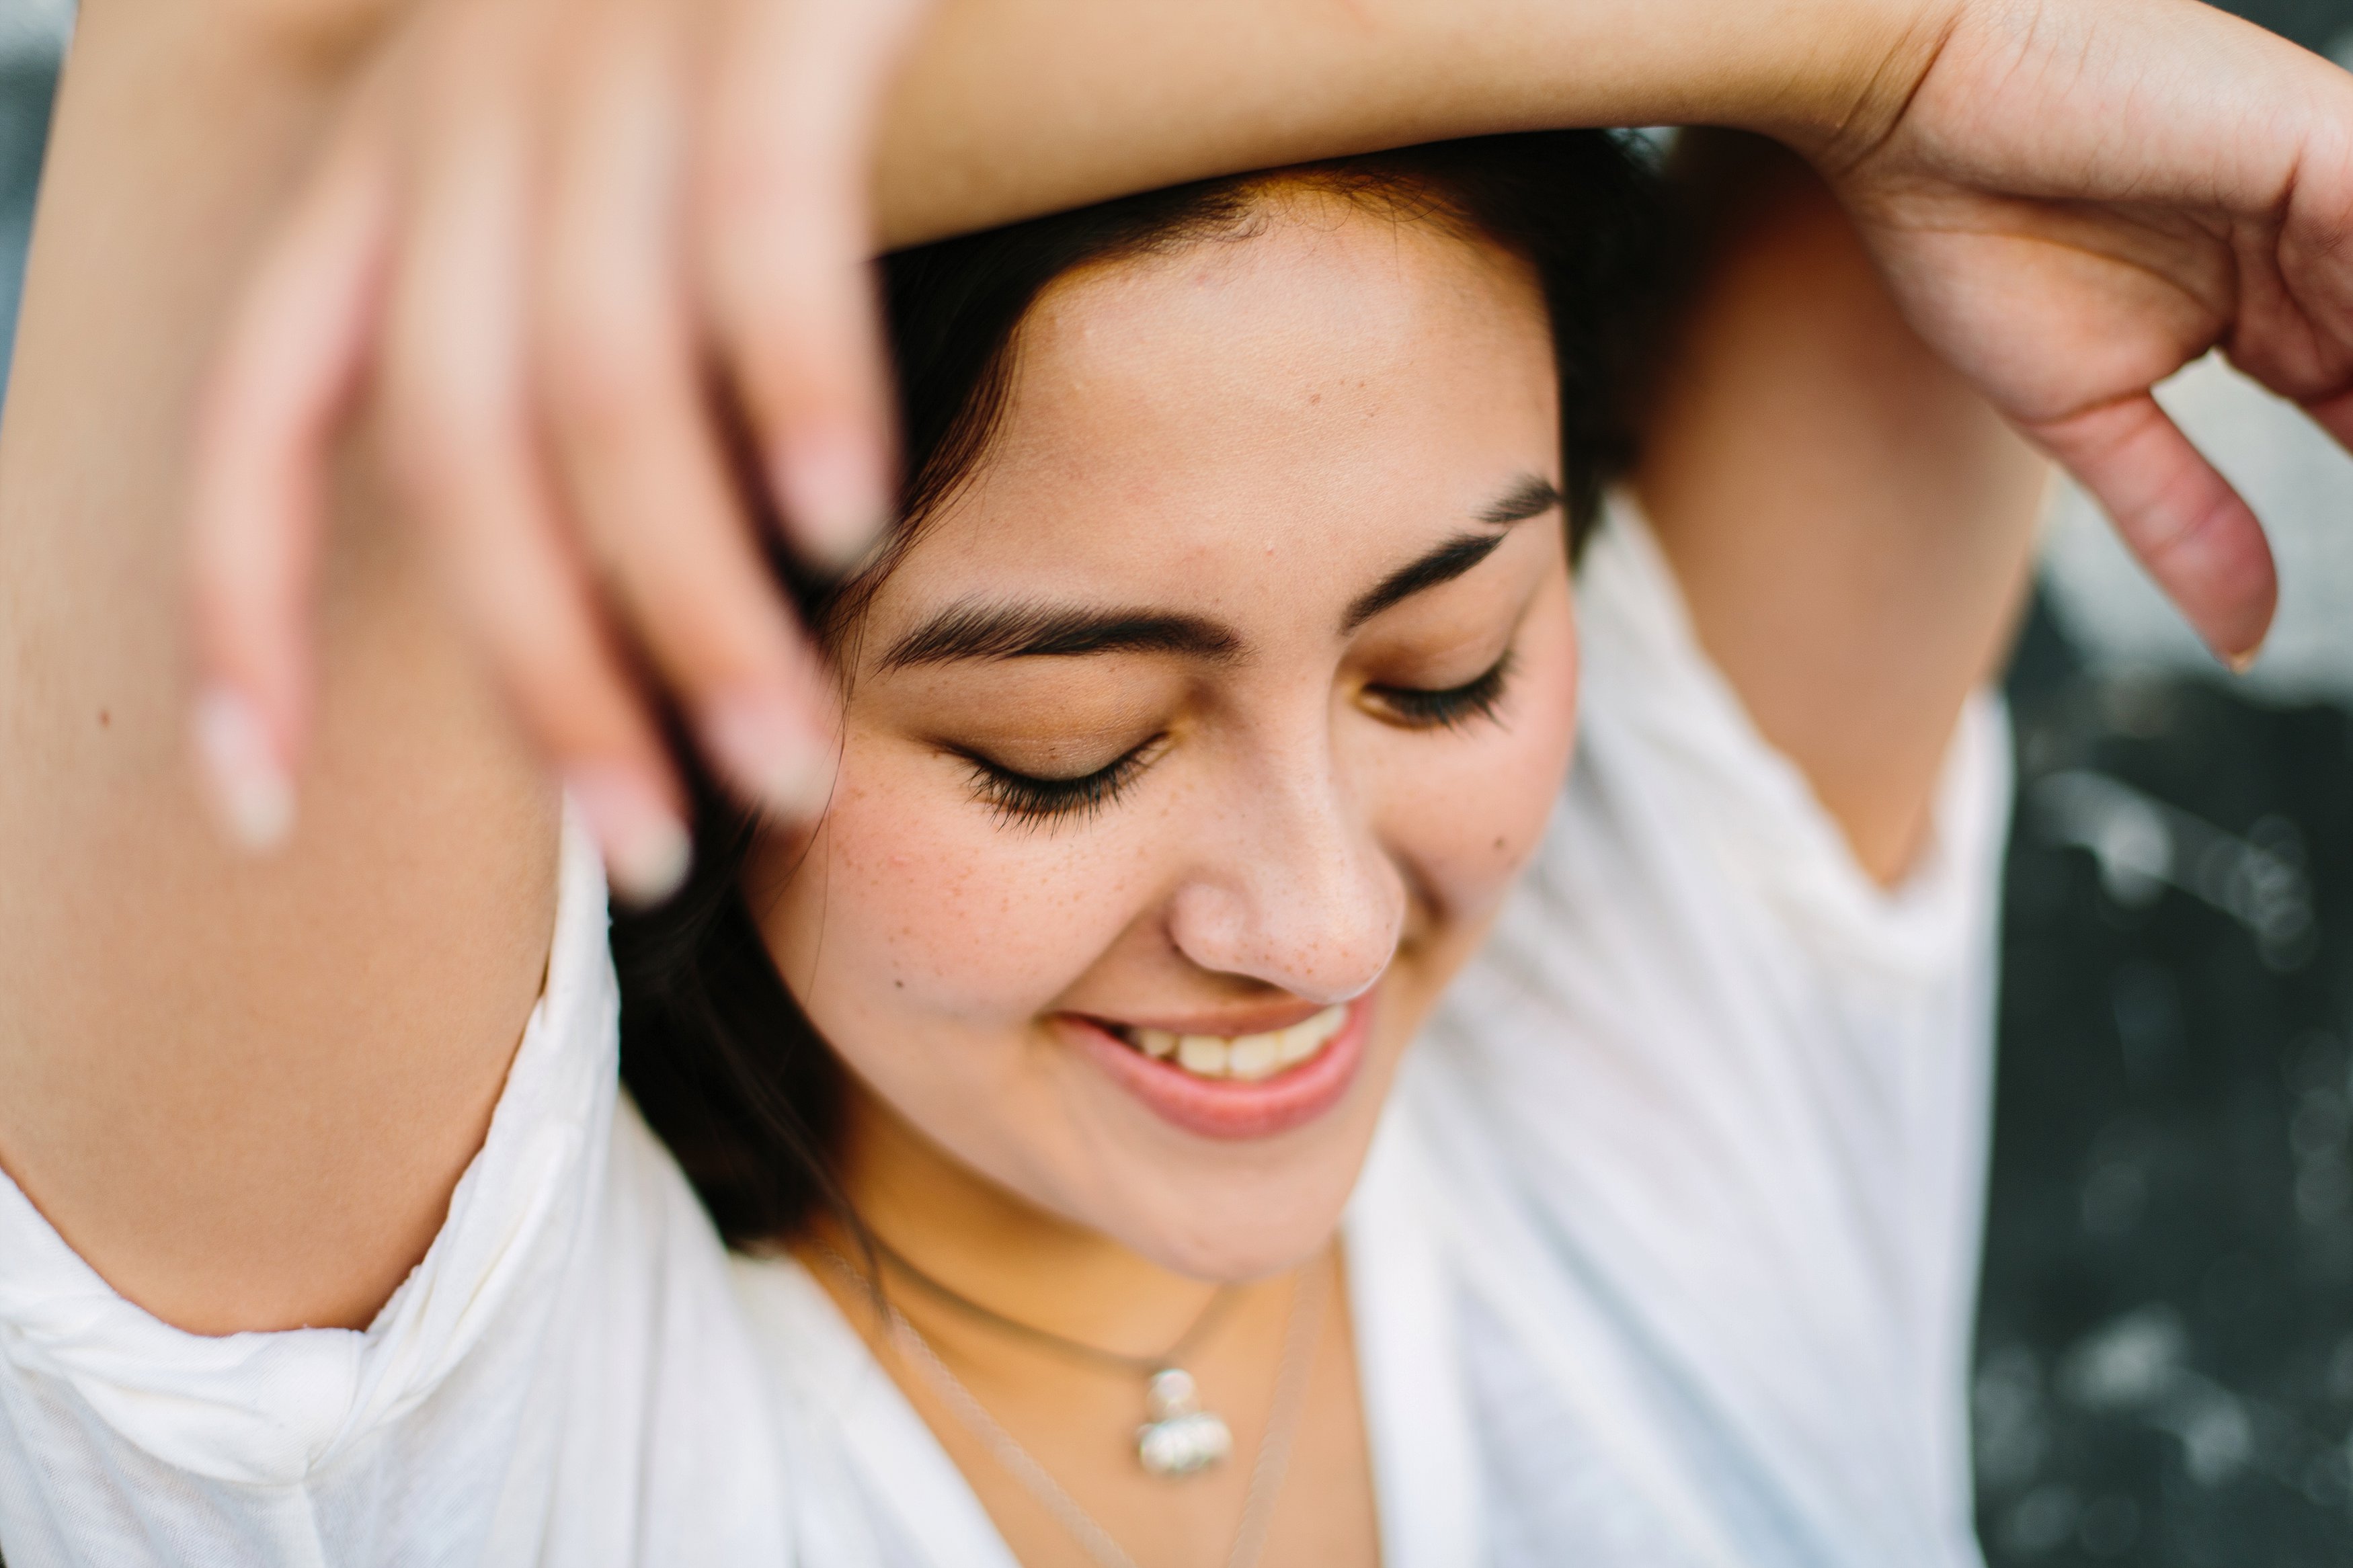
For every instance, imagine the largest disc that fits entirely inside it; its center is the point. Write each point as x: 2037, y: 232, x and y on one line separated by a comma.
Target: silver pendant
x: 1181, y: 1438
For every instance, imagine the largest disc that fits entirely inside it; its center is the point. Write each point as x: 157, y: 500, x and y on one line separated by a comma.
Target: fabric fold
x: 268, y: 1409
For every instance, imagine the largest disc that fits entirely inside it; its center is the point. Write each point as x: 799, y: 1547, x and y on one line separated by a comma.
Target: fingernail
x: 770, y: 747
x: 250, y: 788
x: 831, y: 487
x: 647, y: 850
x: 2240, y: 663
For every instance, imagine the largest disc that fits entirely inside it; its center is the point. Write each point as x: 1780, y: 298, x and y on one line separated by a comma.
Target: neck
x: 986, y: 1244
x: 1076, y: 1419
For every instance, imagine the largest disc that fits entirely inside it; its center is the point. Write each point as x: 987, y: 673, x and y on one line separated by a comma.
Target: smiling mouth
x: 1247, y: 1058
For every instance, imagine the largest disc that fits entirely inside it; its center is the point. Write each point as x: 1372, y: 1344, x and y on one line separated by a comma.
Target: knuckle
x: 751, y: 159
x: 550, y: 660
x: 696, y: 623
x: 601, y: 360
x: 582, y: 709
x: 542, y: 682
x: 797, y: 341
x: 433, y: 454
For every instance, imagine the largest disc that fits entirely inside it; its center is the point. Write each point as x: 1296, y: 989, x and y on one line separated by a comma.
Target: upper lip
x: 1229, y: 1022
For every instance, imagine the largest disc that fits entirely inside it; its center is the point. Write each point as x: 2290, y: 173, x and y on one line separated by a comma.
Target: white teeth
x: 1304, y: 1040
x: 1246, y: 1057
x: 1202, y: 1054
x: 1255, y: 1055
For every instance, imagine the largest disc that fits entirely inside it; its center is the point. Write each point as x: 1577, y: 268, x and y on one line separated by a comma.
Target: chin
x: 1270, y: 1224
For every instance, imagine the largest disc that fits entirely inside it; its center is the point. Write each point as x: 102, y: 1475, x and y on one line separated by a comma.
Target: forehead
x: 1331, y: 386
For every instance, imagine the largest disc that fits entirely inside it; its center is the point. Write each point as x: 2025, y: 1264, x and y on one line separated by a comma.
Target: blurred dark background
x: 2165, y: 1357
x: 2165, y: 1350
x: 2164, y: 1370
x: 2315, y: 23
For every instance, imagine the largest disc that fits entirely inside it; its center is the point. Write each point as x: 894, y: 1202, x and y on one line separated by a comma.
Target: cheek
x: 911, y: 903
x: 1465, y: 814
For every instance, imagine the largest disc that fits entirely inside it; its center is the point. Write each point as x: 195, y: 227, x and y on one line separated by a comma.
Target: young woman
x: 1221, y: 675
x: 1300, y: 886
x: 1195, y: 721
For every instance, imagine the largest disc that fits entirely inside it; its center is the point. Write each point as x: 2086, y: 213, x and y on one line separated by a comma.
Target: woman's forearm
x: 1010, y: 108
x: 2069, y: 201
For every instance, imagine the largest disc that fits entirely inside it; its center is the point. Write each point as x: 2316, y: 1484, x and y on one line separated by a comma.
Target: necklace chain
x: 1212, y: 1313
x: 1267, y: 1470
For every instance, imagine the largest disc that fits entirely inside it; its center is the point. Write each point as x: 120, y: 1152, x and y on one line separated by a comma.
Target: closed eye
x: 1418, y: 708
x: 1020, y: 798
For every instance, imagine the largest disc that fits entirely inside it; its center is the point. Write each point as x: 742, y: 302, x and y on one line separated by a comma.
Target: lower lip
x: 1234, y: 1108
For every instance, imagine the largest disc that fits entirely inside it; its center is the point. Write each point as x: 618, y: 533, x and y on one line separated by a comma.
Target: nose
x: 1292, y: 889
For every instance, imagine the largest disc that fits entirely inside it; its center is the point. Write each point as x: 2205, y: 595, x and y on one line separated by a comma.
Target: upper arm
x: 242, y: 1089
x: 1852, y: 525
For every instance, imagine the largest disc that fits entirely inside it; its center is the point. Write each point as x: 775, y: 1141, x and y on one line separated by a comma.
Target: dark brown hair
x: 721, y: 1059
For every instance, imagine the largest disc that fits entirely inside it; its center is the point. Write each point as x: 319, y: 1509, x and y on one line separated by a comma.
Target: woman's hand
x: 2079, y: 199
x: 597, y: 269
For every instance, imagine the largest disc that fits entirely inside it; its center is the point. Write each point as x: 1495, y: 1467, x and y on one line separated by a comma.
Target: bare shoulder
x: 242, y: 1090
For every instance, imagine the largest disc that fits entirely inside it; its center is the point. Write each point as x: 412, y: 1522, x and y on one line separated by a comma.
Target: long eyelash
x: 1454, y: 706
x: 1021, y: 798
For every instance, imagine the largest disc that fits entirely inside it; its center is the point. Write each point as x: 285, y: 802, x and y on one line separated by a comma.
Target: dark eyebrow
x: 1532, y: 497
x: 1027, y: 631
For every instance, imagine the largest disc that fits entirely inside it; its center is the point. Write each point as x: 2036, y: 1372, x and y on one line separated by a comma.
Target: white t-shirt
x: 1665, y: 1253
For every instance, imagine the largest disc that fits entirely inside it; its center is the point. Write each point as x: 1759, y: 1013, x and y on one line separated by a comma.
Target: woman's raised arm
x: 1850, y: 520
x: 241, y: 1089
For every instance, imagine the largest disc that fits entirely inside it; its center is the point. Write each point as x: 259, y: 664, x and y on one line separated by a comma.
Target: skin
x: 1254, y: 434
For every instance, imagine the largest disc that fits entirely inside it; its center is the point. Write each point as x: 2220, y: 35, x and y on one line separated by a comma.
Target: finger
x: 785, y: 232
x: 285, y: 378
x: 635, y: 443
x: 2198, y: 538
x: 462, y: 450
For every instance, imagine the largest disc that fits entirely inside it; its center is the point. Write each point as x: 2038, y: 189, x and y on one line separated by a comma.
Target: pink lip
x: 1230, y: 1108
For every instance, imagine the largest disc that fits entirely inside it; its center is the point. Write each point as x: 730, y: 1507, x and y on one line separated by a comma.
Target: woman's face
x: 1190, y: 748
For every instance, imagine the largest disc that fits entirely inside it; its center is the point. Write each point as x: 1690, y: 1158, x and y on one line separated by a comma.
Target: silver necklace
x: 1267, y: 1472
x: 1177, y: 1436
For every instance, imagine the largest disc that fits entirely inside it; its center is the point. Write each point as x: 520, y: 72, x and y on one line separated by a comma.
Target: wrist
x: 1832, y: 78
